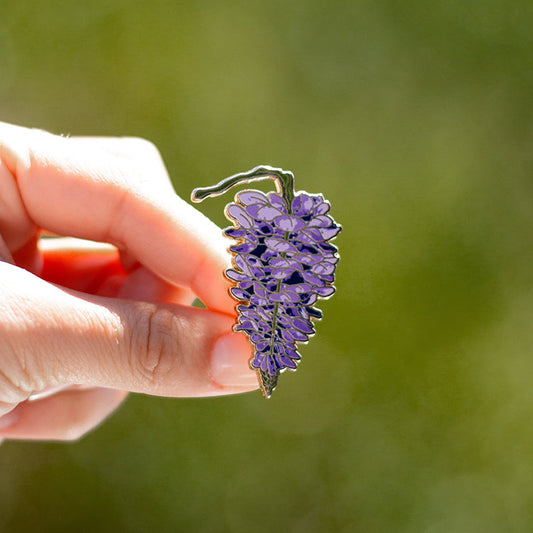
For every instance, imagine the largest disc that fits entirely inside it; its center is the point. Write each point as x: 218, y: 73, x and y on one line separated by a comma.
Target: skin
x: 105, y: 307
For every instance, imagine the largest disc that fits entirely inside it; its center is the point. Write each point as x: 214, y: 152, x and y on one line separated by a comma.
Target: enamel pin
x: 282, y: 264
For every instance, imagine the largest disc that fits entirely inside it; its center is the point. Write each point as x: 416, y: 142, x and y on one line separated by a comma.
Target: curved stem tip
x: 284, y: 180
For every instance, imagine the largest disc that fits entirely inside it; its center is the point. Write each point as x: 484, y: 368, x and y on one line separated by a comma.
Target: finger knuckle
x: 18, y: 374
x: 155, y: 351
x: 16, y: 383
x: 14, y: 386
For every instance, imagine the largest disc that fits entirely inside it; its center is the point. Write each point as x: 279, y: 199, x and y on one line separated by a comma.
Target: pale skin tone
x: 85, y: 322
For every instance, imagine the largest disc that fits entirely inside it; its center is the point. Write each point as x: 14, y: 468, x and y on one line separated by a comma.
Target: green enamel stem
x: 276, y: 307
x: 284, y: 183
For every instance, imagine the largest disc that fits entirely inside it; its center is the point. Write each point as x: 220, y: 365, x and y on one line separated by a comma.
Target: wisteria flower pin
x: 283, y: 263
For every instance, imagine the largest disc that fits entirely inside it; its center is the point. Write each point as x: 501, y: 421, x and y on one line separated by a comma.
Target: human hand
x: 91, y: 320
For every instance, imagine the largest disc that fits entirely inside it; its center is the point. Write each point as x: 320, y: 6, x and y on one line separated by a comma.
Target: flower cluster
x: 282, y: 264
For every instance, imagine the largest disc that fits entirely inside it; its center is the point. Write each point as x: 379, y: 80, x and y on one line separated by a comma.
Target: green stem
x: 284, y: 180
x: 276, y: 307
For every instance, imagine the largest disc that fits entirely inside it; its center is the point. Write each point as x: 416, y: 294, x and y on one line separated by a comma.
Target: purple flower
x: 283, y: 264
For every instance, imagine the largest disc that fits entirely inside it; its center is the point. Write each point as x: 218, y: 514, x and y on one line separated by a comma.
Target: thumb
x: 51, y: 336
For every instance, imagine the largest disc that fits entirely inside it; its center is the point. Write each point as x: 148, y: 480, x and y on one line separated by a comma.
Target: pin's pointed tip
x: 267, y: 382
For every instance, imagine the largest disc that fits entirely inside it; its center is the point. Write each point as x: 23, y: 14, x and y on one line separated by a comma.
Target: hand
x: 91, y: 320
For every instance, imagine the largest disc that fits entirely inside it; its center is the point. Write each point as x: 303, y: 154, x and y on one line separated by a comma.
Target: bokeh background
x: 412, y: 409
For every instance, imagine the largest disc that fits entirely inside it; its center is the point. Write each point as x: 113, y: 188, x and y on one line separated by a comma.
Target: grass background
x: 412, y: 408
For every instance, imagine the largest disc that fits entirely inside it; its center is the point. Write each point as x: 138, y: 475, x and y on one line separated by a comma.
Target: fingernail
x: 9, y: 419
x: 230, y: 361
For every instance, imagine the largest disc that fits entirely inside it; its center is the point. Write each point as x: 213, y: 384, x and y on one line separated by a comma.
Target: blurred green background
x: 412, y: 409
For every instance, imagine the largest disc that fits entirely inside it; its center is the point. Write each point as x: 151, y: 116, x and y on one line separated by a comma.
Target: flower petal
x: 252, y: 197
x: 237, y: 213
x: 289, y: 223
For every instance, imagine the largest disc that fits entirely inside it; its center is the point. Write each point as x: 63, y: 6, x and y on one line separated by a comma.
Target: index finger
x: 77, y: 188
